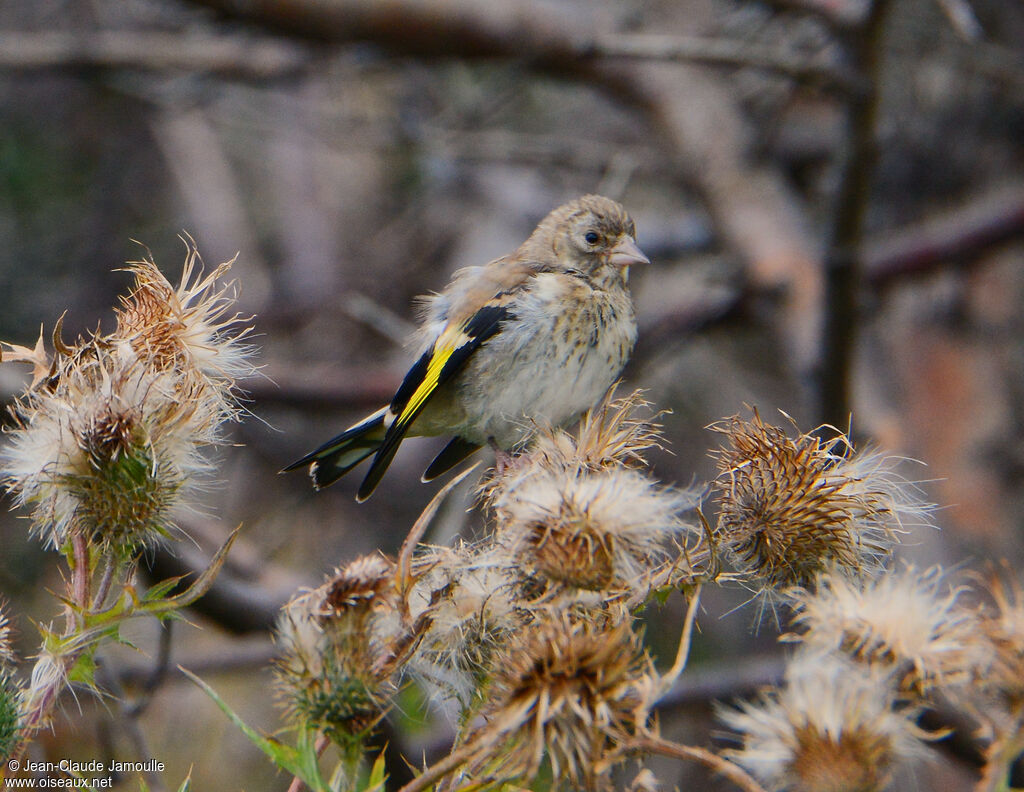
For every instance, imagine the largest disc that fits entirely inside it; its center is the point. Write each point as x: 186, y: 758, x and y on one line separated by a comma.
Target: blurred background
x: 831, y: 193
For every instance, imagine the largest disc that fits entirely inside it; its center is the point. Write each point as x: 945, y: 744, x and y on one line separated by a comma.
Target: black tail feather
x: 326, y: 471
x: 378, y: 468
x: 451, y: 455
x: 340, y: 454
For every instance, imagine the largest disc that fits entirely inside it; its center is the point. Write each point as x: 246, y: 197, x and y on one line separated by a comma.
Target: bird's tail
x: 339, y: 455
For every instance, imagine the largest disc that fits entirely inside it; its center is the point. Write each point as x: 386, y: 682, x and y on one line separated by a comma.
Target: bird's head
x: 592, y: 235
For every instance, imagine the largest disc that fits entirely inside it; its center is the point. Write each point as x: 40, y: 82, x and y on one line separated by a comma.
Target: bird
x: 533, y: 338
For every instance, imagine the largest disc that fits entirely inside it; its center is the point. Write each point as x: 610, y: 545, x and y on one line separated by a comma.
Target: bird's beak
x: 627, y: 253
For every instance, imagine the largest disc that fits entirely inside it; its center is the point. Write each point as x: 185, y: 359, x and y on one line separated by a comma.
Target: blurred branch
x: 755, y: 210
x: 236, y: 603
x: 458, y: 28
x: 723, y: 52
x: 838, y: 15
x: 253, y: 654
x: 229, y: 57
x: 959, y: 235
x: 672, y: 325
x: 962, y: 18
x: 521, y: 29
x: 371, y: 313
x: 703, y: 130
x: 126, y: 715
x: 845, y: 239
x: 699, y: 686
x: 360, y: 387
x: 209, y: 187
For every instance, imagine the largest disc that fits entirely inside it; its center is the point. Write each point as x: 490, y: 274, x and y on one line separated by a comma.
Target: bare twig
x: 733, y: 772
x: 842, y: 258
x: 955, y: 236
x: 669, y: 679
x: 722, y: 52
x: 151, y: 51
x: 403, y: 574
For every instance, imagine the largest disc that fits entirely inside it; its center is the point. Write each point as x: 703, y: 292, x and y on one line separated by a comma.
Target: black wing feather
x: 480, y: 327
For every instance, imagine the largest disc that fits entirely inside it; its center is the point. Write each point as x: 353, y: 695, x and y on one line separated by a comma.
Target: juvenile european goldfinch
x: 534, y: 337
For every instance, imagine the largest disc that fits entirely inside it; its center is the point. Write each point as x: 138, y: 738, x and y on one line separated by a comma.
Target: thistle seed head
x: 333, y: 666
x: 599, y: 530
x: 472, y: 601
x: 569, y: 690
x: 831, y: 728
x: 790, y: 507
x: 1003, y: 626
x: 909, y: 624
x: 109, y: 450
x: 189, y: 326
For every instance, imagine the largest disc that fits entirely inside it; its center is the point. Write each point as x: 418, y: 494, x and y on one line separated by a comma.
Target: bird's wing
x: 472, y: 319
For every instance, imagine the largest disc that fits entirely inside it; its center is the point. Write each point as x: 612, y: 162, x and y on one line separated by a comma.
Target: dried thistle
x: 831, y: 728
x: 471, y: 599
x: 909, y: 624
x: 790, y: 507
x: 600, y: 530
x: 612, y: 434
x: 1003, y: 628
x: 109, y: 449
x: 112, y: 442
x: 1001, y: 685
x: 571, y: 691
x: 334, y: 670
x: 191, y: 326
x: 359, y: 586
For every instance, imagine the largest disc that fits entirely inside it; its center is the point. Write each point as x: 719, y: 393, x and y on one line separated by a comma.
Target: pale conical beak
x: 627, y: 253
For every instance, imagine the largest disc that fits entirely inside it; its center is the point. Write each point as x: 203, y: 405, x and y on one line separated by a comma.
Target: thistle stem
x: 683, y: 653
x: 321, y: 745
x: 657, y: 745
x: 80, y: 577
x: 439, y: 770
x: 109, y: 568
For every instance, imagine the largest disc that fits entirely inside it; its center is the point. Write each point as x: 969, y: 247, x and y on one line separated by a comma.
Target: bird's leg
x: 502, y: 459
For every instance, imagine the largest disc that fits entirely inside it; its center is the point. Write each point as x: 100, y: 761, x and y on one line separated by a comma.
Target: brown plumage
x: 537, y: 336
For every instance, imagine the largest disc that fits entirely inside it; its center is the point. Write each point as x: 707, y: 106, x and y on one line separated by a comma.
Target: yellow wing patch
x: 444, y: 348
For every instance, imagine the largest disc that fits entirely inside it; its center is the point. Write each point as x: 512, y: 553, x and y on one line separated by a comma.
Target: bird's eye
x: 591, y: 237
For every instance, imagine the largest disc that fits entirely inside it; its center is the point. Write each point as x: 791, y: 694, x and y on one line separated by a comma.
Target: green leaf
x: 159, y: 590
x: 201, y: 585
x: 378, y: 775
x: 300, y: 761
x: 83, y: 672
x: 186, y: 785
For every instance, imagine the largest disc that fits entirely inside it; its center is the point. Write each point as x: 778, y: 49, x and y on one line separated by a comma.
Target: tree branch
x: 843, y: 276
x: 232, y: 57
x: 703, y: 131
